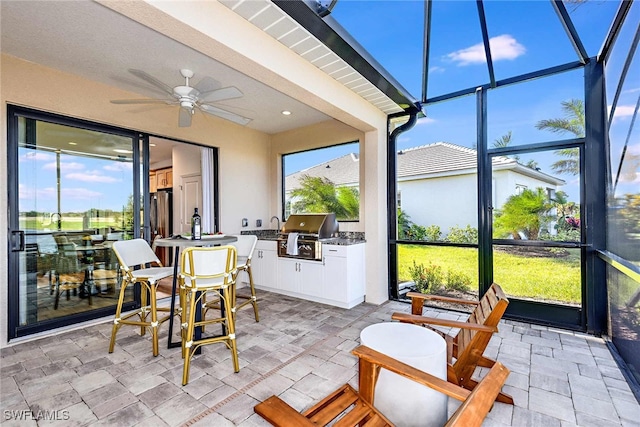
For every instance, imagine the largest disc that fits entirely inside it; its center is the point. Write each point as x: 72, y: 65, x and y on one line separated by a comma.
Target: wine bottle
x: 196, y: 231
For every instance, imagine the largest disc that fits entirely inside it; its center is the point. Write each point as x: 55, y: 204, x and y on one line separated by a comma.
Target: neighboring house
x: 437, y: 183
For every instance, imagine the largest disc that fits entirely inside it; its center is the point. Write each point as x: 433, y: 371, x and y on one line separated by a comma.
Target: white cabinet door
x: 311, y: 278
x: 344, y: 275
x: 264, y: 264
x: 288, y: 275
x: 335, y: 278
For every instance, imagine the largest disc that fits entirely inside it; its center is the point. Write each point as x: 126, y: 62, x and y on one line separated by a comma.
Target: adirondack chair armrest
x: 381, y: 360
x: 422, y: 296
x: 415, y: 319
x: 279, y: 413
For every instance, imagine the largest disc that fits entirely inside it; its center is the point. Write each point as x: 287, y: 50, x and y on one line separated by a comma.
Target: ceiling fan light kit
x: 189, y: 98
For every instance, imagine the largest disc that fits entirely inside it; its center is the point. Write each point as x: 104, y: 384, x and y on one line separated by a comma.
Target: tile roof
x: 437, y: 158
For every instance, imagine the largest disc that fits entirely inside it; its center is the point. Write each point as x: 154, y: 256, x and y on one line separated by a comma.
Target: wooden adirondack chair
x: 468, y: 346
x: 475, y: 407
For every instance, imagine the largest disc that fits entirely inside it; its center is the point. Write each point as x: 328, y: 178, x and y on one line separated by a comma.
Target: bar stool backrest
x: 135, y: 252
x: 245, y: 246
x: 208, y: 266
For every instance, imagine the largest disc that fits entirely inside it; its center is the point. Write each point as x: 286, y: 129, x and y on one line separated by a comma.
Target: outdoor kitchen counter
x: 338, y: 279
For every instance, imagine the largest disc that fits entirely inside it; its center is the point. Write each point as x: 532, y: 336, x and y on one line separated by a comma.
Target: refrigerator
x: 161, y: 221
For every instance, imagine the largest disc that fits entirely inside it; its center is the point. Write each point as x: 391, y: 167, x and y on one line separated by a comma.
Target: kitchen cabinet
x: 300, y: 277
x: 153, y: 183
x: 164, y: 178
x: 337, y: 280
x: 343, y: 279
x: 264, y: 263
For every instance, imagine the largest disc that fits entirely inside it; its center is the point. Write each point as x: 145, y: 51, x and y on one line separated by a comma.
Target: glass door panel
x: 537, y: 226
x: 75, y: 198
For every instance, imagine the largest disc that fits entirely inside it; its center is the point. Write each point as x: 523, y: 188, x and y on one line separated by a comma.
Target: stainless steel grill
x: 309, y: 230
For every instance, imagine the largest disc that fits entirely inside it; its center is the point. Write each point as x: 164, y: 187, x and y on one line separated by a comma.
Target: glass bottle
x: 196, y: 231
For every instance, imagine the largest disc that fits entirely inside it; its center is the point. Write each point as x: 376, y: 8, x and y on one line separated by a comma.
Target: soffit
x: 273, y: 21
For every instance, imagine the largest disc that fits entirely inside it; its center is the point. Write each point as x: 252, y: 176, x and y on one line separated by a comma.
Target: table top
x: 185, y: 242
x: 402, y: 339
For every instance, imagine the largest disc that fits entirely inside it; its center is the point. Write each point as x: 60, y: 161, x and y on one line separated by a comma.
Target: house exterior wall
x: 448, y: 201
x: 507, y: 183
x: 452, y: 200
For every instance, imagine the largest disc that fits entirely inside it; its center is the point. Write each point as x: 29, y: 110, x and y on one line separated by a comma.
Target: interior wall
x: 245, y: 183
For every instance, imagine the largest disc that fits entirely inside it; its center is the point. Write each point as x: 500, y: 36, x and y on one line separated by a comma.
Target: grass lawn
x: 69, y: 223
x: 530, y: 275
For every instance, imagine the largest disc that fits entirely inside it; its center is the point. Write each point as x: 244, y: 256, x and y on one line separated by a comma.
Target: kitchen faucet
x: 277, y: 219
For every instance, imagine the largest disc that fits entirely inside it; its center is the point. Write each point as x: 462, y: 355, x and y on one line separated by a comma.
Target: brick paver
x: 299, y: 350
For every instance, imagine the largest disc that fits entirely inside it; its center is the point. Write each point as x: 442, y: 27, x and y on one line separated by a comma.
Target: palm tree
x: 526, y: 213
x: 503, y: 141
x: 319, y: 194
x: 573, y: 123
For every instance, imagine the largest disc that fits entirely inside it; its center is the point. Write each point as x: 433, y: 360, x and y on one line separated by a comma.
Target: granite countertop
x: 343, y: 238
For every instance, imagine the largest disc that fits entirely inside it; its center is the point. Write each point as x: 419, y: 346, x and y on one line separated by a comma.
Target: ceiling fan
x: 190, y: 98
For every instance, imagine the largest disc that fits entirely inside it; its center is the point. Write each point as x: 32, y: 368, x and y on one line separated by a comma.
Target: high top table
x: 405, y: 402
x: 177, y: 244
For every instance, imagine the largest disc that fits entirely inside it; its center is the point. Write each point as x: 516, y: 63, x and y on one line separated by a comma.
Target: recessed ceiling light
x: 73, y: 143
x: 286, y: 113
x: 152, y: 145
x: 117, y: 150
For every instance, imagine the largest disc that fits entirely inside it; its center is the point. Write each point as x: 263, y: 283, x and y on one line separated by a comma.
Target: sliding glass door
x: 71, y: 196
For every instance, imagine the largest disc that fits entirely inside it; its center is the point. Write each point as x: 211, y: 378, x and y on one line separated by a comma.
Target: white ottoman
x: 405, y: 402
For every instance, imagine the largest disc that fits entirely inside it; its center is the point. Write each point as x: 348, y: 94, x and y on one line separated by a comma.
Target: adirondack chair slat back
x: 488, y: 312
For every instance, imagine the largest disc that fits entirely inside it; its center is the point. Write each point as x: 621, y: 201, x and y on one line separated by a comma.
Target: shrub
x: 433, y: 233
x: 457, y: 281
x: 416, y: 232
x: 427, y: 278
x: 462, y: 235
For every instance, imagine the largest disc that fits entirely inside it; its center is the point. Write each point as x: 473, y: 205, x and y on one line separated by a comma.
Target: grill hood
x: 322, y: 225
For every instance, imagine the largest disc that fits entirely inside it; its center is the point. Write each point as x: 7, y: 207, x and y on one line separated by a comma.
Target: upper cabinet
x: 160, y: 179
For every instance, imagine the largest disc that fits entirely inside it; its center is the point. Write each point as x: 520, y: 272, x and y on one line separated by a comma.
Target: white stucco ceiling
x: 89, y: 40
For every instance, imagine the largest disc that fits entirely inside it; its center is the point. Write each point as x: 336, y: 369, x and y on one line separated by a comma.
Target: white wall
x: 450, y: 201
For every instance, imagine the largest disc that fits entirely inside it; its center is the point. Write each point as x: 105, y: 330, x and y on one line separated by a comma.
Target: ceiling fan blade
x: 184, y: 119
x: 233, y: 117
x: 150, y: 79
x: 220, y: 94
x: 207, y: 84
x: 142, y: 101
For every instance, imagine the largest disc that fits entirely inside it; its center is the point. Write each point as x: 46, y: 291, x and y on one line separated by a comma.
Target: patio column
x: 374, y: 213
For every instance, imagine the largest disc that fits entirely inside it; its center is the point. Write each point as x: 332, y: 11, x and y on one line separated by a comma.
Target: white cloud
x: 502, y: 47
x: 64, y: 166
x: 425, y: 121
x: 436, y: 69
x: 118, y: 167
x: 50, y: 193
x: 622, y: 111
x: 36, y: 156
x: 91, y: 177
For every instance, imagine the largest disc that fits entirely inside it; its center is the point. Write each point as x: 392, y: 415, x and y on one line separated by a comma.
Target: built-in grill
x: 301, y: 236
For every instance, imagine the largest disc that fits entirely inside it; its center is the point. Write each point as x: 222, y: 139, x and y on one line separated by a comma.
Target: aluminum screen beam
x: 571, y: 30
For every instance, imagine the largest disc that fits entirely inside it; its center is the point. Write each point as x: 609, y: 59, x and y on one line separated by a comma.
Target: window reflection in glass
x: 75, y: 199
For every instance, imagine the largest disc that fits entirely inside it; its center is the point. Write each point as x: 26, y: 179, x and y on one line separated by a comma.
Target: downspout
x: 392, y: 208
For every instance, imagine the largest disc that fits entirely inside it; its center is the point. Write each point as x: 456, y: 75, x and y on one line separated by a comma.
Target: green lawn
x: 530, y: 275
x: 69, y: 223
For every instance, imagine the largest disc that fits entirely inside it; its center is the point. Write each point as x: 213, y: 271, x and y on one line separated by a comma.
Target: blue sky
x: 85, y: 182
x: 525, y: 36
